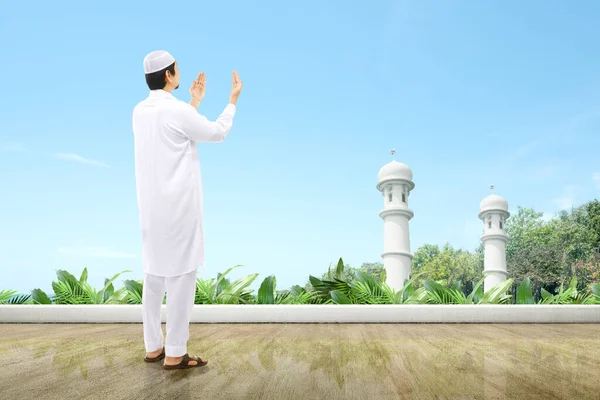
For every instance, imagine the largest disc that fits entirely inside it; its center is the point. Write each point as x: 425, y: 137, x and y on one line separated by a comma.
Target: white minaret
x: 493, y: 211
x: 395, y: 183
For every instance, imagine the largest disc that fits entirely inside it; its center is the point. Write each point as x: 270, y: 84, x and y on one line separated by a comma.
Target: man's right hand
x: 236, y: 87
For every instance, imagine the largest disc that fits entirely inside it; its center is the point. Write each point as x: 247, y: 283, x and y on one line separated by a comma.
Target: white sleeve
x: 198, y: 128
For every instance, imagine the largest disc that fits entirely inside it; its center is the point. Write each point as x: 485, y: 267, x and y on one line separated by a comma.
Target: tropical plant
x: 595, y: 290
x: 497, y: 294
x: 436, y: 293
x: 570, y: 295
x: 222, y: 291
x: 268, y: 295
x: 340, y: 287
x: 350, y: 273
x: 12, y: 297
x: 69, y: 290
x: 134, y: 290
x: 524, y: 293
x: 335, y: 283
x: 363, y: 290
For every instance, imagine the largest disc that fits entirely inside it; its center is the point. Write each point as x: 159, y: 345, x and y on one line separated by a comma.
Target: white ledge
x: 326, y: 313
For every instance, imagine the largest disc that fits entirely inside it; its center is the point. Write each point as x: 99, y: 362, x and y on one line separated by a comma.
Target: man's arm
x: 195, y: 103
x: 198, y: 128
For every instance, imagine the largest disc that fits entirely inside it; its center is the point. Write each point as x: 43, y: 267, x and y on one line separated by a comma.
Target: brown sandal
x: 184, y: 363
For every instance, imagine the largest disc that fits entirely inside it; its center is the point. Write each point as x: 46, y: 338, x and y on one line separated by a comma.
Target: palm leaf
x: 476, y: 293
x: 221, y: 283
x: 6, y: 295
x: 297, y: 290
x: 407, y: 291
x: 266, y: 291
x: 546, y: 296
x: 339, y: 270
x: 135, y: 291
x: 283, y: 297
x: 361, y: 293
x: 524, y: 293
x: 390, y: 296
x: 303, y: 298
x: 40, y: 297
x: 497, y: 294
x: 297, y: 295
x: 408, y: 288
x: 324, y: 287
x: 582, y: 298
x: 66, y: 293
x: 367, y: 290
x: 110, y: 290
x: 438, y: 294
x: 566, y: 296
x: 90, y: 293
x: 205, y: 291
x: 17, y: 299
x: 65, y: 276
x: 22, y: 299
x: 68, y: 290
x: 595, y: 290
x: 418, y: 297
x: 234, y: 293
x: 100, y: 296
x: 459, y: 295
x: 120, y: 296
x: 318, y: 285
x: 339, y: 297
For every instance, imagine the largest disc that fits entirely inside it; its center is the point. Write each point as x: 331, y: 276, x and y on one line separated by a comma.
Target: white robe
x: 168, y: 180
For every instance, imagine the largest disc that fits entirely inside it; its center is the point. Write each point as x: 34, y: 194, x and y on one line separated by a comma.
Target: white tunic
x: 168, y: 180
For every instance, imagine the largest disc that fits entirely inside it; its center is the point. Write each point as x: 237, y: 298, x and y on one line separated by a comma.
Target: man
x: 170, y: 202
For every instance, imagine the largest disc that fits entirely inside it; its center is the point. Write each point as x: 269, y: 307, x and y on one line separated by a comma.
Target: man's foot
x: 155, y: 355
x: 183, y: 362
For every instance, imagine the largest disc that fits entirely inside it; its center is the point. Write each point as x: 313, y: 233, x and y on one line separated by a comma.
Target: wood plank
x: 306, y: 361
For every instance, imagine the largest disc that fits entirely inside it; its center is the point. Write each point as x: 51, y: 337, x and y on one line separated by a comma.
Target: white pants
x: 181, y: 291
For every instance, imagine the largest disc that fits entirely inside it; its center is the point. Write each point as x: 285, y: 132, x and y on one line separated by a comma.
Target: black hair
x: 158, y: 80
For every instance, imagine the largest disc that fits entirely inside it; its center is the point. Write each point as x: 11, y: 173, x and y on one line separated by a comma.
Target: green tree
x: 425, y: 254
x: 551, y: 252
x: 372, y: 269
x: 593, y: 214
x: 518, y: 226
x: 448, y: 265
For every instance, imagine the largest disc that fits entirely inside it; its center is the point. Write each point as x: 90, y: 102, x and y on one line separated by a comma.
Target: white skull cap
x: 157, y: 60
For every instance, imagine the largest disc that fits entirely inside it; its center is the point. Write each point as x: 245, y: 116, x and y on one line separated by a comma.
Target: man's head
x: 161, y: 71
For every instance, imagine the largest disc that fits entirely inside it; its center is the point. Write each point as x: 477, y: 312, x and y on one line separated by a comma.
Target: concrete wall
x: 311, y: 313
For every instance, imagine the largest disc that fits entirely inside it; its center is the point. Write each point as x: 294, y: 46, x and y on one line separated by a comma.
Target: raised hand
x: 236, y: 87
x: 198, y: 87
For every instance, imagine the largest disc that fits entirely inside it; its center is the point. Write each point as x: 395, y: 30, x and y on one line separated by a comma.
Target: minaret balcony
x: 404, y: 211
x: 495, y: 235
x: 397, y: 253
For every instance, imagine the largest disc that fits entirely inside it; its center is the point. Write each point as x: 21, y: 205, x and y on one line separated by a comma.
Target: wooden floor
x: 306, y: 361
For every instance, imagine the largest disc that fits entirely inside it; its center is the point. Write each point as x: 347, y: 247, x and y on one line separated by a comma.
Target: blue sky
x: 468, y: 93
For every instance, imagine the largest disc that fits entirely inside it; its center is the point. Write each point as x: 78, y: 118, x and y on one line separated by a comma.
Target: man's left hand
x: 198, y: 87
